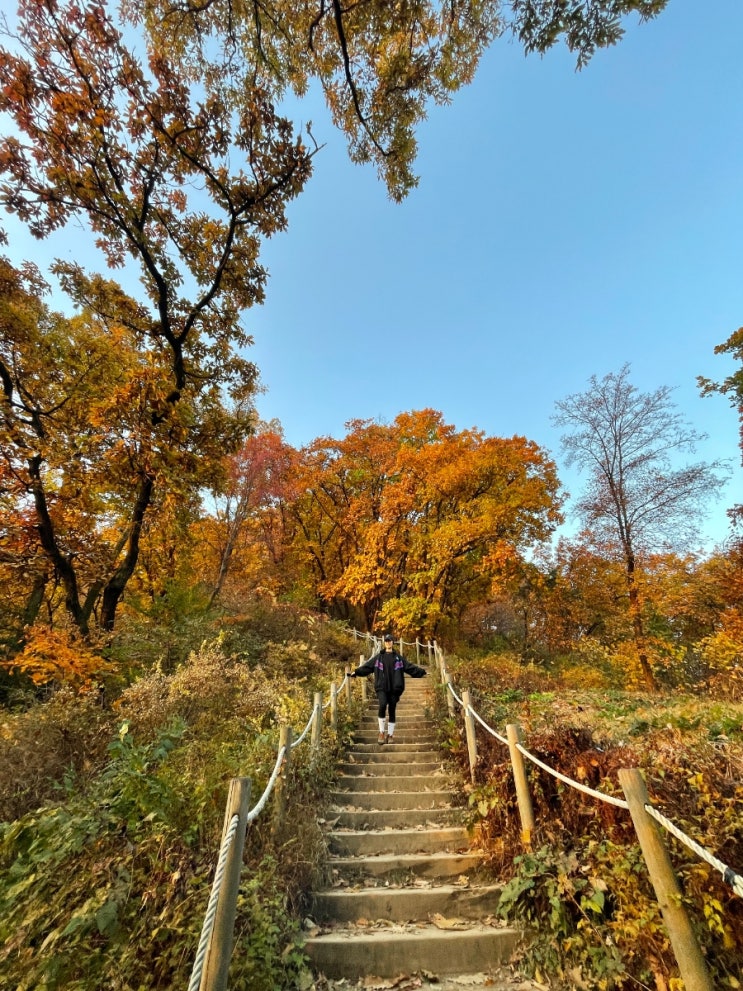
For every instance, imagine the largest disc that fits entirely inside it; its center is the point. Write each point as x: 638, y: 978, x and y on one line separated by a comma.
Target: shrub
x: 49, y: 748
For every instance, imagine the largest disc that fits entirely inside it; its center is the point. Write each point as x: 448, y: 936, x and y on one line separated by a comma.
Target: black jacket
x: 400, y: 669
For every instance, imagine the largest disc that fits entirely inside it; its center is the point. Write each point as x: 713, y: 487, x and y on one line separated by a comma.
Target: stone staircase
x: 405, y: 897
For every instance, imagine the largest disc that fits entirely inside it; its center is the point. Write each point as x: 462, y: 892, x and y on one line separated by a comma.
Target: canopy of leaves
x: 379, y: 64
x: 410, y: 521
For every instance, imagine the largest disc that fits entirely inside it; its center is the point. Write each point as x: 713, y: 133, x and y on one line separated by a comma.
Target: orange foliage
x: 411, y: 521
x: 56, y: 656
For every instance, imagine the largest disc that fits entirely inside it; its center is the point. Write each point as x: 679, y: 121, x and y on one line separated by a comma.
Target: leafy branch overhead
x: 380, y: 65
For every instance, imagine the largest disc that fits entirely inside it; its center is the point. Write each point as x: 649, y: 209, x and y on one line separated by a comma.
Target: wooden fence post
x: 347, y: 676
x: 363, y: 689
x: 523, y: 797
x: 333, y: 707
x: 317, y: 725
x: 469, y: 725
x: 450, y: 704
x: 285, y: 741
x: 667, y: 889
x: 219, y: 950
x: 417, y: 651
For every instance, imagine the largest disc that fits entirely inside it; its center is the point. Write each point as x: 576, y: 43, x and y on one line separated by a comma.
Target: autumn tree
x: 143, y: 156
x: 159, y: 133
x: 411, y: 521
x: 636, y: 499
x: 76, y: 430
x: 245, y: 512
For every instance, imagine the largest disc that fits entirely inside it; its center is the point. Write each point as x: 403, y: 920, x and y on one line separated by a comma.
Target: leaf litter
x: 503, y: 979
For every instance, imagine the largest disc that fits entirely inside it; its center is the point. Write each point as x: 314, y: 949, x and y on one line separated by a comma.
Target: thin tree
x: 636, y: 496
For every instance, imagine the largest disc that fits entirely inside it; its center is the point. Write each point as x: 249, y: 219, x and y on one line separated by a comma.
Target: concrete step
x: 421, y: 800
x: 393, y: 782
x: 406, y: 904
x: 390, y: 951
x: 384, y: 767
x: 371, y: 819
x: 357, y: 844
x: 392, y: 755
x: 410, y: 718
x: 403, y: 734
x: 402, y: 865
x: 406, y: 897
x: 399, y: 746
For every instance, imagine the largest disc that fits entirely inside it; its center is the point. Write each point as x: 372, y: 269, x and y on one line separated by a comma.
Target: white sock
x: 390, y: 729
x: 381, y: 724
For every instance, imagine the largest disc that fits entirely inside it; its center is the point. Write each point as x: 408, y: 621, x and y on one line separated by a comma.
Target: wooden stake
x: 219, y: 952
x: 334, y: 707
x: 667, y: 889
x: 317, y: 725
x: 279, y: 791
x: 469, y: 725
x: 523, y: 796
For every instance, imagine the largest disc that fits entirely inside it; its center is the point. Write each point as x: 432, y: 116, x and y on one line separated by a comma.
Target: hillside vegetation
x: 112, y: 815
x: 582, y: 887
x: 112, y: 810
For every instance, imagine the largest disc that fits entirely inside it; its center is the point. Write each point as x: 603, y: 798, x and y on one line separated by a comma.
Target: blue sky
x: 565, y: 223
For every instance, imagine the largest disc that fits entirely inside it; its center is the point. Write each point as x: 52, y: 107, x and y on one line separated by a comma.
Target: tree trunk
x: 638, y: 630
x: 34, y: 600
x: 224, y: 564
x: 115, y: 586
x: 63, y: 566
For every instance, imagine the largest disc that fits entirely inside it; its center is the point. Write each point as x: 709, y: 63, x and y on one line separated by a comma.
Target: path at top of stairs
x: 408, y: 902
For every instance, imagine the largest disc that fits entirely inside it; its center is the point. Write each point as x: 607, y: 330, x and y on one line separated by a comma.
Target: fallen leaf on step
x: 441, y: 922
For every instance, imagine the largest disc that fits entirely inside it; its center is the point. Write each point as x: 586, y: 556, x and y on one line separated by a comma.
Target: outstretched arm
x: 413, y: 670
x: 364, y: 669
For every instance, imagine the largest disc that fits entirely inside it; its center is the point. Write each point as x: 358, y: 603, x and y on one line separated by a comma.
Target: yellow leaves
x: 411, y: 515
x: 57, y: 656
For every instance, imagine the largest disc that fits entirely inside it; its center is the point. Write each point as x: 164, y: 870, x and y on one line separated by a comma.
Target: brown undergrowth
x: 581, y: 885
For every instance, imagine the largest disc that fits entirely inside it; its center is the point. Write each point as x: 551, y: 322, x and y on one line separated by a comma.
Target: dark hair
x: 388, y: 636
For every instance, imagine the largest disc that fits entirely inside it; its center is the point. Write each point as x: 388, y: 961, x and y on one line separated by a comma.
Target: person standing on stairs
x: 389, y: 669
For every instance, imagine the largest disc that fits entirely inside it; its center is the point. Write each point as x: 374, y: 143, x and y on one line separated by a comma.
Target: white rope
x: 481, y: 721
x: 256, y: 811
x: 619, y: 802
x: 730, y: 877
x: 728, y: 874
x: 211, y: 911
x: 449, y: 686
x: 305, y: 731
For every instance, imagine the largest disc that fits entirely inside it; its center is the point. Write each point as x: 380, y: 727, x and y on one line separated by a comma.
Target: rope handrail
x: 729, y: 876
x: 209, y: 919
x: 338, y: 690
x: 361, y: 635
x: 211, y: 910
x: 481, y: 721
x: 308, y: 727
x: 451, y: 689
x: 619, y: 802
x: 258, y: 808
